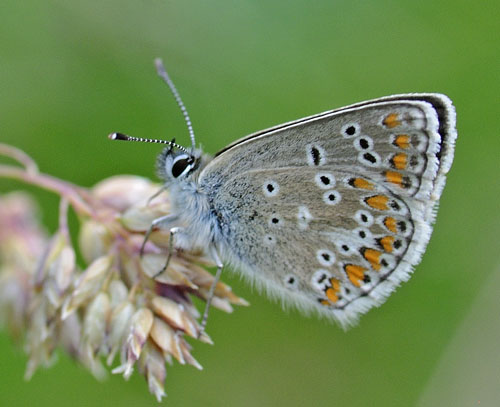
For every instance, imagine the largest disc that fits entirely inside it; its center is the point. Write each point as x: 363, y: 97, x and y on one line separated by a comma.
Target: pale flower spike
x: 111, y: 305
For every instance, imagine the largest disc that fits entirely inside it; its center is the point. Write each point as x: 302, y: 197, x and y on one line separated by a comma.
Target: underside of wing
x: 331, y: 213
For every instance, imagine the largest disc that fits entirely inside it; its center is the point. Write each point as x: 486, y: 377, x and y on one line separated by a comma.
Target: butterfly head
x: 178, y: 165
x: 175, y: 163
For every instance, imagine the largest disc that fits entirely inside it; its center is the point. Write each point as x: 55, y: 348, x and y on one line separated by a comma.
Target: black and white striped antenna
x: 162, y: 72
x: 121, y: 136
x: 160, y: 69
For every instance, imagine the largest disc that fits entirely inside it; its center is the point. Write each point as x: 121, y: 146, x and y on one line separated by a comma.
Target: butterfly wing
x: 331, y: 212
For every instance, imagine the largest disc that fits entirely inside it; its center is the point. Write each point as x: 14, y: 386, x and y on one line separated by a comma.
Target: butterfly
x: 329, y: 213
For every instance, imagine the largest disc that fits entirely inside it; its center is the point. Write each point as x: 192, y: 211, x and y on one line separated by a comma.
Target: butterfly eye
x: 181, y: 165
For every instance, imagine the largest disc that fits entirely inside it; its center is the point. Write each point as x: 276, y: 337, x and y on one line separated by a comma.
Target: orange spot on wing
x: 355, y: 274
x: 387, y: 242
x: 378, y: 202
x: 391, y: 121
x: 402, y: 141
x: 400, y: 161
x: 335, y: 284
x: 394, y: 178
x: 373, y: 256
x: 390, y: 223
x: 331, y: 294
x: 362, y: 183
x: 325, y: 302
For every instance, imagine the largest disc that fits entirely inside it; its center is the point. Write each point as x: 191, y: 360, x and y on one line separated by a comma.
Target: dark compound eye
x: 180, y: 166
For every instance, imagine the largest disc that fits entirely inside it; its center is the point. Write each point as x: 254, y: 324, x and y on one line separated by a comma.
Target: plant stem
x: 65, y: 189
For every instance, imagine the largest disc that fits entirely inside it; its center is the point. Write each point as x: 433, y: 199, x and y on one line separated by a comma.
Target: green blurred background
x: 71, y: 72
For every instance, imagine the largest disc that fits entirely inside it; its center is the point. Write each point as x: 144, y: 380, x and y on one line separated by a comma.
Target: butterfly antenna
x: 160, y: 69
x: 124, y: 137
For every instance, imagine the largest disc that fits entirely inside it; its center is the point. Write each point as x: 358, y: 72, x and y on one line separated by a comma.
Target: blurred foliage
x: 71, y: 72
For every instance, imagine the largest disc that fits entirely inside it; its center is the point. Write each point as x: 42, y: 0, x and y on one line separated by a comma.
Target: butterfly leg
x: 218, y: 263
x: 173, y: 232
x: 163, y: 222
x: 157, y: 193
